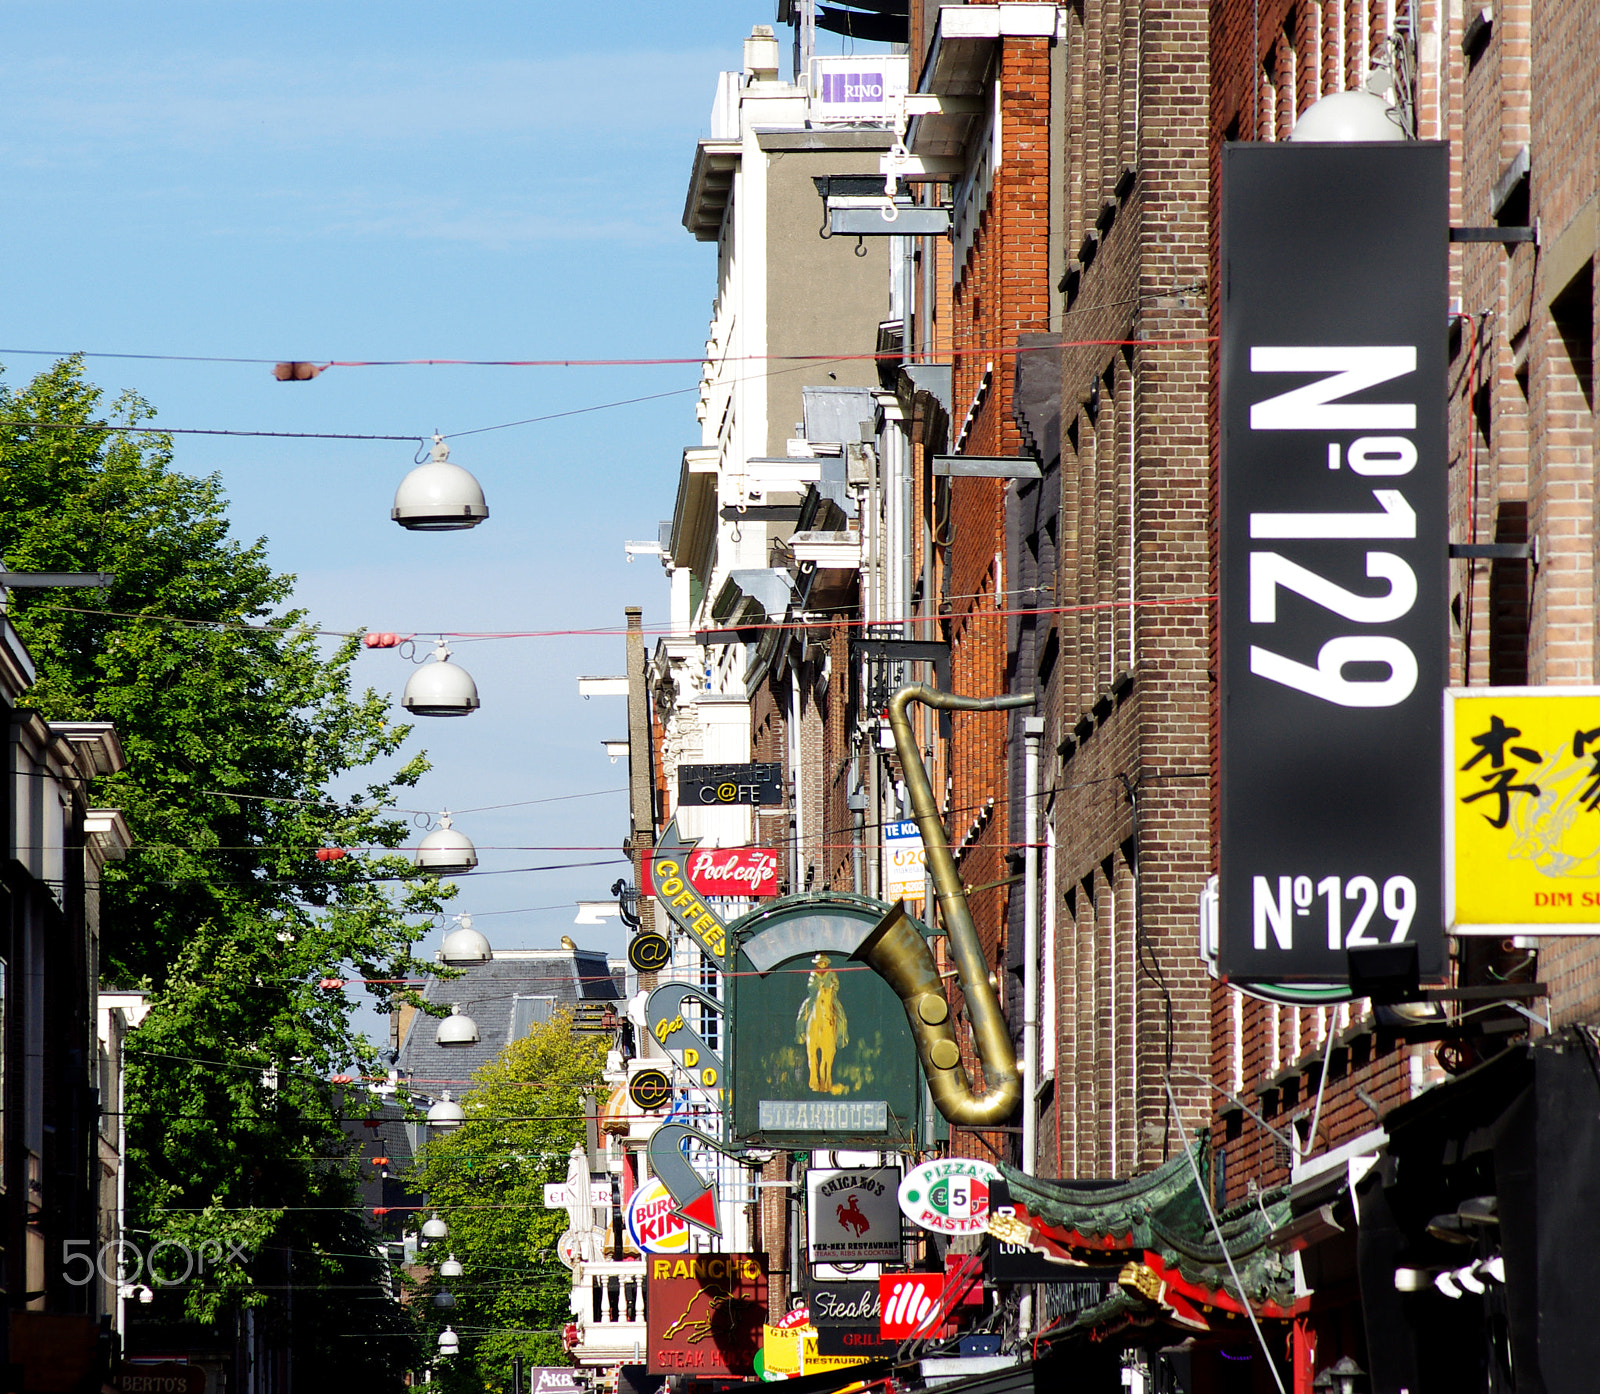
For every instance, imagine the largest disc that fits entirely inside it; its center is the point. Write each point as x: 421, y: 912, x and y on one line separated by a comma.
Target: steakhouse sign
x: 1333, y: 555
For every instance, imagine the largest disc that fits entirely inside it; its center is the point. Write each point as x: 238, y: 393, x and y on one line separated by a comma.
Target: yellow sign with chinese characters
x: 1522, y: 810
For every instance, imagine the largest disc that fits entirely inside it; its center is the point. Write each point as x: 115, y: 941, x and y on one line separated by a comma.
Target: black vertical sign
x: 1334, y: 555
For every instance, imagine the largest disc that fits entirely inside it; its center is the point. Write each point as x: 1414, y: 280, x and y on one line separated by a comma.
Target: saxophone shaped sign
x: 668, y: 869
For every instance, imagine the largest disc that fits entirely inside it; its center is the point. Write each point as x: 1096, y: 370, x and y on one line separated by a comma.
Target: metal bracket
x: 1529, y: 1012
x: 1495, y: 551
x: 1495, y: 234
x: 935, y: 651
x: 52, y: 580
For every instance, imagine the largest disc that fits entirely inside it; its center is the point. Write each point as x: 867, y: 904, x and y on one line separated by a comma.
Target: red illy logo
x: 909, y: 1304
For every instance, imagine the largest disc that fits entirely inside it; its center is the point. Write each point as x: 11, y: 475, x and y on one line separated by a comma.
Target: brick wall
x: 1001, y: 290
x: 1126, y: 713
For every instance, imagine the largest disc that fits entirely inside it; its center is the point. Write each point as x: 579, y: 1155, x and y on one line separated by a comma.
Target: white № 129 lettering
x: 1275, y: 908
x: 1327, y: 679
x: 1269, y: 570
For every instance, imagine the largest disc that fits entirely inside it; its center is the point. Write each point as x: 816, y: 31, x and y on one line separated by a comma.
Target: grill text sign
x: 1333, y: 555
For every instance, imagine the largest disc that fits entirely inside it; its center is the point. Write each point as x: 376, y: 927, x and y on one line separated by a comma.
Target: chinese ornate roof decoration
x: 1176, y: 1271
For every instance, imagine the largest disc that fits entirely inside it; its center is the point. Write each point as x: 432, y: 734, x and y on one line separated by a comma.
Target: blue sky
x: 366, y: 181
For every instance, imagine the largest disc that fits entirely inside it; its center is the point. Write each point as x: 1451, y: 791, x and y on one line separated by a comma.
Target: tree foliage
x: 238, y: 717
x: 486, y: 1180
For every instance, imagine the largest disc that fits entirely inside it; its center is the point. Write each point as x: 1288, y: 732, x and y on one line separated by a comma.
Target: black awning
x: 890, y: 28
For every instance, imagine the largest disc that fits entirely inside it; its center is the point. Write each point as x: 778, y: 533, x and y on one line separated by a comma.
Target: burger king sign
x: 652, y: 1226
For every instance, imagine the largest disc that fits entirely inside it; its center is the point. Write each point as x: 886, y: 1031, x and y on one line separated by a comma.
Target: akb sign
x: 1334, y: 551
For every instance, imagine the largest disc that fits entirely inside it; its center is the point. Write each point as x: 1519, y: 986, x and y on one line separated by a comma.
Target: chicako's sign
x: 653, y: 1222
x: 1522, y: 810
x: 853, y: 1216
x: 822, y: 1055
x: 745, y: 873
x: 727, y: 786
x: 1333, y: 611
x: 705, y: 1314
x: 949, y: 1196
x: 674, y: 894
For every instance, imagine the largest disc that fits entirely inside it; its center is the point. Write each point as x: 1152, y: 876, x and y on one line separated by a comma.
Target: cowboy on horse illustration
x: 821, y: 1025
x: 851, y: 1217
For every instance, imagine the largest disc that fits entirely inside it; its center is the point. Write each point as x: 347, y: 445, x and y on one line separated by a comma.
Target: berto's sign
x: 1334, y: 555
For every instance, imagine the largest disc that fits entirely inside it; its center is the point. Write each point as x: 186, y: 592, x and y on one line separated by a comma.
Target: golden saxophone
x: 900, y: 955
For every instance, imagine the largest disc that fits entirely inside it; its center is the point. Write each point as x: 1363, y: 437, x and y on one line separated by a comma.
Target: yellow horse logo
x: 821, y: 1026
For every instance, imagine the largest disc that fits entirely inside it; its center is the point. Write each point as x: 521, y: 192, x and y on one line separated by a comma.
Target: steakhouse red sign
x: 704, y: 1313
x: 744, y: 872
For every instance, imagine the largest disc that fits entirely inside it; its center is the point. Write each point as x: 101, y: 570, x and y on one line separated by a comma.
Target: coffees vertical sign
x: 1333, y: 555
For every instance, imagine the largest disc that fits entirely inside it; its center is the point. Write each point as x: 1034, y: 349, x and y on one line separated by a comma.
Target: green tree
x: 238, y: 717
x: 486, y: 1180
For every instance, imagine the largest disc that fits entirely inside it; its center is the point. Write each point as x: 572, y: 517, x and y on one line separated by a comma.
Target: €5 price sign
x: 949, y: 1196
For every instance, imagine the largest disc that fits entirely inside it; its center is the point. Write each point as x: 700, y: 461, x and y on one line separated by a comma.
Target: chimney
x: 761, y: 54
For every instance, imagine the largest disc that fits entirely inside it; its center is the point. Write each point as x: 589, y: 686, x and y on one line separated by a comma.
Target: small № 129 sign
x: 1522, y: 810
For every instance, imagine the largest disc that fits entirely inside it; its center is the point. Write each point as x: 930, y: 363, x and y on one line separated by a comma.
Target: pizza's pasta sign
x: 949, y: 1196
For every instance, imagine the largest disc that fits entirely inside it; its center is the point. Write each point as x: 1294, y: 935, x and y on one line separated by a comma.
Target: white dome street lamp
x: 435, y: 1228
x: 446, y: 852
x: 465, y: 945
x: 456, y: 1030
x: 450, y: 1268
x: 1356, y: 115
x: 444, y: 1115
x: 449, y: 1342
x: 439, y: 496
x: 440, y: 688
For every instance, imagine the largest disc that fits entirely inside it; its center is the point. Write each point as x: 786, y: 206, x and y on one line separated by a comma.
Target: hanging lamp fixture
x: 439, y: 496
x: 440, y: 688
x: 464, y: 946
x: 456, y: 1030
x: 446, y: 852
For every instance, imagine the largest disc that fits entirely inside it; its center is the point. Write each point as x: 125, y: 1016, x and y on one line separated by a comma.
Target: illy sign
x: 909, y: 1304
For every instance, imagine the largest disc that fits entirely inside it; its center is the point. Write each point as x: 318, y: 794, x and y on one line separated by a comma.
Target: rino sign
x: 1333, y: 555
